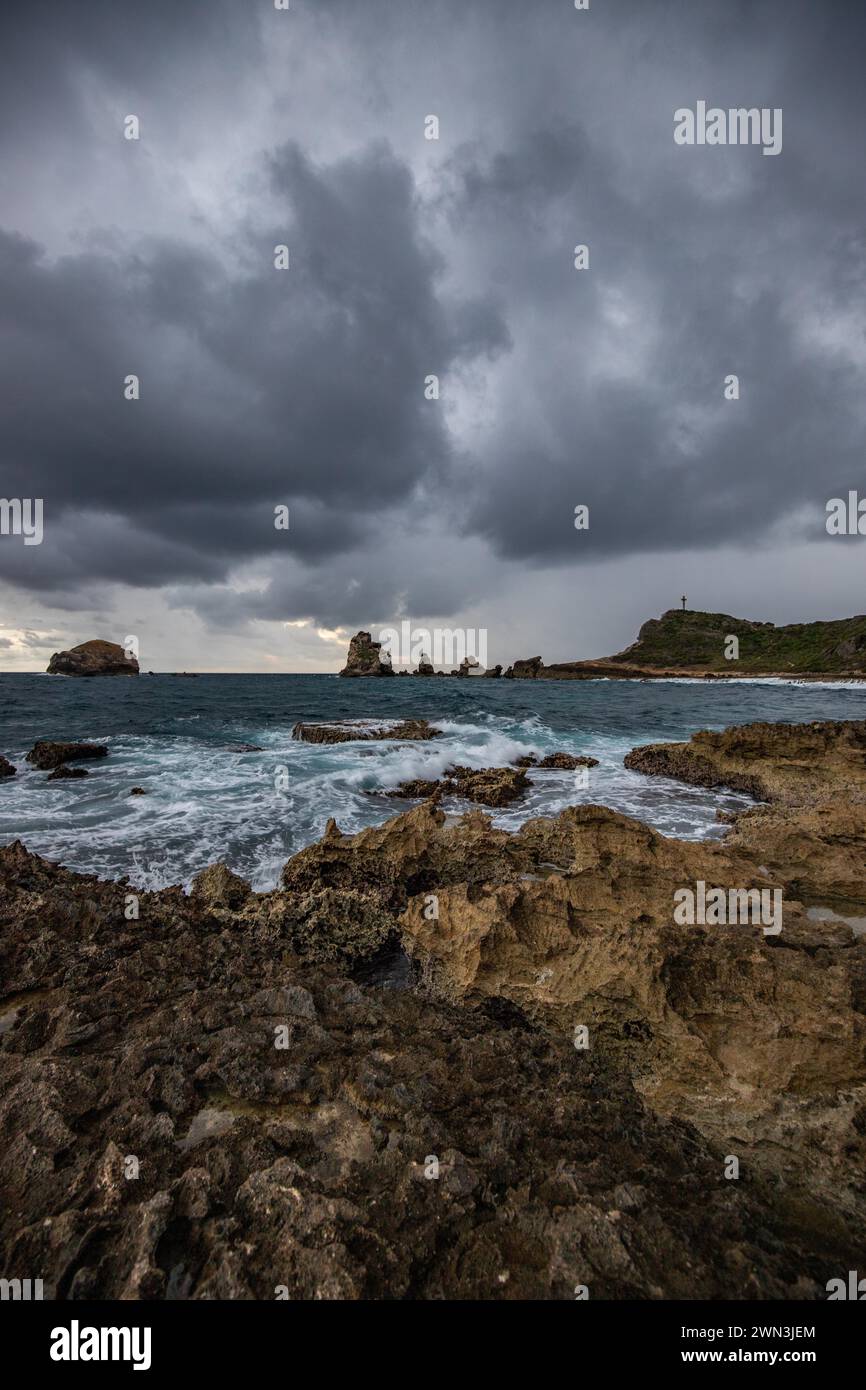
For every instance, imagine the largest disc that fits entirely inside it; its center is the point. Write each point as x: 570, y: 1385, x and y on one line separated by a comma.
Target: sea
x: 208, y: 799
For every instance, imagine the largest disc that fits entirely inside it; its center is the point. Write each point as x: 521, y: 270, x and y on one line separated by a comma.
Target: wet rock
x: 417, y: 788
x: 490, y: 786
x: 63, y: 771
x: 6, y: 768
x: 45, y: 755
x: 138, y: 791
x: 560, y: 761
x: 96, y: 658
x: 365, y: 658
x: 354, y: 731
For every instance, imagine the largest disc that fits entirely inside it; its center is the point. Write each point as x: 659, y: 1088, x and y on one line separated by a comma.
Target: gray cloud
x: 408, y: 258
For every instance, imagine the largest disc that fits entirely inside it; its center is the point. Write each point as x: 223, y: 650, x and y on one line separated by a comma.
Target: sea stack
x: 96, y: 658
x: 364, y: 658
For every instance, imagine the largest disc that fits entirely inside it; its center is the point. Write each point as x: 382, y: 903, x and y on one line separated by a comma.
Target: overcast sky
x: 411, y: 257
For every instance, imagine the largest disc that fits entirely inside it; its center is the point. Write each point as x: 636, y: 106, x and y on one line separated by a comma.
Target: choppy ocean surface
x: 206, y: 802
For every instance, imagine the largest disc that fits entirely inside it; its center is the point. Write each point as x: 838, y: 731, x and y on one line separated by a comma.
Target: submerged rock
x: 96, y: 658
x: 45, y: 755
x: 63, y: 771
x: 7, y: 769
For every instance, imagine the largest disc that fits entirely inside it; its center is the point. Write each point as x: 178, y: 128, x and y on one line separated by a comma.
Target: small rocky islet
x: 292, y: 1124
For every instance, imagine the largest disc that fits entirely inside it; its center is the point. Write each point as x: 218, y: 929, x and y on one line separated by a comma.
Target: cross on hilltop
x: 684, y: 603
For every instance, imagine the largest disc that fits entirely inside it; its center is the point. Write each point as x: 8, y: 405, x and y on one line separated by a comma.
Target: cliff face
x: 365, y: 659
x: 96, y: 658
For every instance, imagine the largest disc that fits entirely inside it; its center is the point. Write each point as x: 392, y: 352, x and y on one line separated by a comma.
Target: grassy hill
x: 685, y: 639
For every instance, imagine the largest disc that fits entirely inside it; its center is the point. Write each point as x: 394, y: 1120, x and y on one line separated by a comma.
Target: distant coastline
x: 680, y: 645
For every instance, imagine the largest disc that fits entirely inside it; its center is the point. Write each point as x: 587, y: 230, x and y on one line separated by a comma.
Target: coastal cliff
x: 681, y: 644
x: 686, y: 644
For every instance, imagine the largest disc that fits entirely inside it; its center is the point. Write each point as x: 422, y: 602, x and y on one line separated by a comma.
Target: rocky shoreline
x: 222, y: 1094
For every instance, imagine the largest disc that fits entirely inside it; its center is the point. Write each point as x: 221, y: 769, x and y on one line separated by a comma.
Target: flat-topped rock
x: 96, y: 658
x: 46, y: 755
x: 364, y: 730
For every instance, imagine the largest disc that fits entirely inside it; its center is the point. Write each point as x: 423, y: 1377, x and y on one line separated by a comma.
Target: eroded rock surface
x: 158, y: 1144
x: 289, y: 1126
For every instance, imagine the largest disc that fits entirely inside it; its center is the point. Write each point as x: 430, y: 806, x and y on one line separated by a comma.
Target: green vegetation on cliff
x: 687, y: 639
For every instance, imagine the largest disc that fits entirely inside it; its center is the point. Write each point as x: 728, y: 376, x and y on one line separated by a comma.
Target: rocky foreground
x: 225, y: 1095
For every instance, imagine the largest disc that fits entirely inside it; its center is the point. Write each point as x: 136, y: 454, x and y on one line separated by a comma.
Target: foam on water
x: 206, y: 802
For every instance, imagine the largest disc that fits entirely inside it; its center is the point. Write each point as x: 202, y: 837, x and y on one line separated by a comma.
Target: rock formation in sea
x: 7, y: 769
x: 553, y: 1103
x: 364, y: 731
x: 365, y: 658
x: 96, y: 658
x: 490, y: 786
x: 558, y: 762
x: 46, y: 755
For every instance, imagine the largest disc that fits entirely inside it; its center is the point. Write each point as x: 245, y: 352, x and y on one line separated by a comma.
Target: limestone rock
x: 217, y: 886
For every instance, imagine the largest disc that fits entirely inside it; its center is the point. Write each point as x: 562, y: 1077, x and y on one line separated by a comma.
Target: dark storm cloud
x: 602, y: 387
x: 258, y: 387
